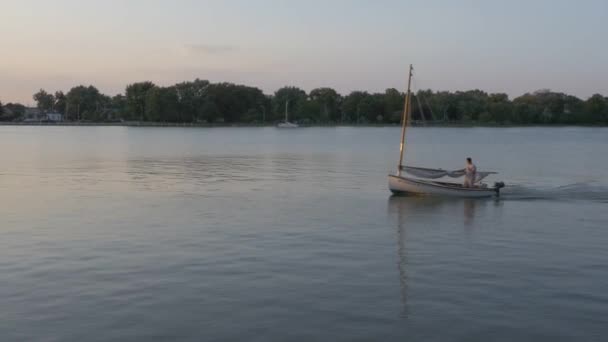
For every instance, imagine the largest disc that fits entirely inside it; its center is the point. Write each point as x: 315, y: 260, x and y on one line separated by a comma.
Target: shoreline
x: 329, y: 125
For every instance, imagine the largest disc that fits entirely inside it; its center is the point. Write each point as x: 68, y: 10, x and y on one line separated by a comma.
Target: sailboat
x: 423, y: 181
x: 287, y: 124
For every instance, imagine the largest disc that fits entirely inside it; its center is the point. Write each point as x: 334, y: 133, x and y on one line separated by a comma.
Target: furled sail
x: 440, y: 173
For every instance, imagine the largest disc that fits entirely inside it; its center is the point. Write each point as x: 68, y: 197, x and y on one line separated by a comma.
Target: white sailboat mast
x: 406, y: 116
x: 286, y: 110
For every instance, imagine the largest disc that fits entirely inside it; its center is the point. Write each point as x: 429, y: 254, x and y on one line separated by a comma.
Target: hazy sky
x: 498, y: 46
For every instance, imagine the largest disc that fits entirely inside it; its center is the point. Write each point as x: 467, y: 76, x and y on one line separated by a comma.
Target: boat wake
x: 577, y: 191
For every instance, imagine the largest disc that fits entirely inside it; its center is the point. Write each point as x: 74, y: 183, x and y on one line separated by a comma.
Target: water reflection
x: 469, y: 210
x: 221, y: 173
x: 408, y: 206
x: 417, y: 217
x: 417, y: 206
x: 211, y: 172
x: 399, y: 211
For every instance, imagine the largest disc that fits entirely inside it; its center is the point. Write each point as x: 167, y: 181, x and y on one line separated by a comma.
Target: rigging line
x: 433, y: 117
x: 419, y: 86
x: 420, y: 107
x: 421, y: 111
x: 415, y: 91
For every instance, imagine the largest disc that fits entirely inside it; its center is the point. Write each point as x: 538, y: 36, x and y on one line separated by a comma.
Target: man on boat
x: 470, y: 173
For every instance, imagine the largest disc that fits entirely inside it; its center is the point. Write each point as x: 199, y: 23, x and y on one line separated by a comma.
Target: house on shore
x: 54, y: 116
x: 37, y: 115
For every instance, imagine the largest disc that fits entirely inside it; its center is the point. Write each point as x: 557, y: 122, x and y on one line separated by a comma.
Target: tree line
x: 201, y: 101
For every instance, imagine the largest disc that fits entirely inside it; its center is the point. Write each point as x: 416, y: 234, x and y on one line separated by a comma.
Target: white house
x: 36, y: 115
x: 54, y: 116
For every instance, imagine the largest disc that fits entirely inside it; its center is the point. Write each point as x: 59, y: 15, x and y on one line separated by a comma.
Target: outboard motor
x: 498, y: 186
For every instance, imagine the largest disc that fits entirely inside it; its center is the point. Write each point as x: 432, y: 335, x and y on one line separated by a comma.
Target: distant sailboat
x: 421, y: 183
x: 287, y: 124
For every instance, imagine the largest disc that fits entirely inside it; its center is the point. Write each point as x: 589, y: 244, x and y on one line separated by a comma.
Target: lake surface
x: 260, y: 234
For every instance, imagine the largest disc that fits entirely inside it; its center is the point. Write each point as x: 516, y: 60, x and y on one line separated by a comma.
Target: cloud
x: 209, y: 49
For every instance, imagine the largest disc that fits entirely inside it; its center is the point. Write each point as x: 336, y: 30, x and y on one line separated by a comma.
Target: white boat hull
x: 413, y: 186
x: 287, y: 125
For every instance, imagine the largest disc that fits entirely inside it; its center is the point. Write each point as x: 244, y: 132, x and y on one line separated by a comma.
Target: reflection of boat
x: 412, y: 215
x: 417, y: 210
x: 396, y: 208
x: 287, y: 124
x: 423, y: 181
x: 469, y: 211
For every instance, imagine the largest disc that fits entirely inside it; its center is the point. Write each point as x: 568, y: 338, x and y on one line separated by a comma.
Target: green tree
x: 307, y: 112
x: 44, y: 100
x: 60, y: 102
x: 527, y: 110
x: 393, y: 104
x: 11, y: 111
x: 192, y: 97
x: 499, y: 109
x: 471, y: 104
x: 86, y: 103
x: 327, y: 103
x: 573, y: 110
x: 293, y: 96
x: 162, y: 105
x: 117, y: 108
x: 371, y: 109
x: 596, y: 109
x: 136, y: 95
x: 209, y: 112
x: 445, y: 105
x: 351, y: 105
x: 266, y: 107
x: 14, y: 111
x: 103, y: 110
x: 235, y: 102
x: 201, y: 100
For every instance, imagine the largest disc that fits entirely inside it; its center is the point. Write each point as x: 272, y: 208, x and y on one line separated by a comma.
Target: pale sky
x: 511, y: 46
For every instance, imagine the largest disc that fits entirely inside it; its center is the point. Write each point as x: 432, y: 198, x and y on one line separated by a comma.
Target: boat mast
x: 286, y: 110
x: 406, y: 117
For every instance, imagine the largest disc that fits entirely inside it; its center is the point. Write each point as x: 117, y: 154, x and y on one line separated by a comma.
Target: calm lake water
x: 260, y: 234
